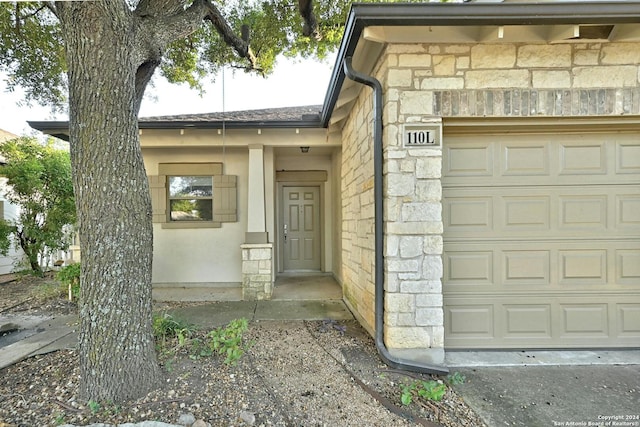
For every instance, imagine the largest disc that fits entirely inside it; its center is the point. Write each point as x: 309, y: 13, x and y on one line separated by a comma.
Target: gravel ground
x: 293, y: 374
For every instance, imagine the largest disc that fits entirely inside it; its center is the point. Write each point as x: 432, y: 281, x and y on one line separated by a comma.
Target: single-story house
x: 477, y: 162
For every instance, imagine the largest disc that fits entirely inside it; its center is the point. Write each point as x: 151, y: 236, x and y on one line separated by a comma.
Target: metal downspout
x: 389, y: 359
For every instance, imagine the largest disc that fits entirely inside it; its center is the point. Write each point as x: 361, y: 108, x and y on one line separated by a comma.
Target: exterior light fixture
x: 304, y: 149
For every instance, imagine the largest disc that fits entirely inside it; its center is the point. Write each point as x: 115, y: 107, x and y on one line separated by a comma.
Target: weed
x: 227, y: 341
x: 428, y: 390
x: 94, y: 406
x: 455, y: 378
x: 59, y: 419
x: 167, y: 328
x: 49, y: 291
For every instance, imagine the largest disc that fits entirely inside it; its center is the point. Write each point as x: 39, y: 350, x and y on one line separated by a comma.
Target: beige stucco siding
x: 200, y: 257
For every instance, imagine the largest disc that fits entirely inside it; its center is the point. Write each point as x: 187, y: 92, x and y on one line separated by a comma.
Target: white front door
x: 301, y: 228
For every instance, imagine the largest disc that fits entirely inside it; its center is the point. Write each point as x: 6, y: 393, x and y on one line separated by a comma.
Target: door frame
x: 280, y: 220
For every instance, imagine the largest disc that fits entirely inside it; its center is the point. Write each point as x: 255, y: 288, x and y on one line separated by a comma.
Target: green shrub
x: 70, y: 276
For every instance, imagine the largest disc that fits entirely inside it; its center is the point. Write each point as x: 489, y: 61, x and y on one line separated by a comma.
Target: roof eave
x: 60, y: 129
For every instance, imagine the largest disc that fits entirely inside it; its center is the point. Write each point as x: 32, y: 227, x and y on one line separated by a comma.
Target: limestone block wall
x: 358, y: 257
x: 514, y: 79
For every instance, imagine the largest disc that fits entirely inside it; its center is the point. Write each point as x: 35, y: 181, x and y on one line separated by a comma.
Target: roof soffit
x: 372, y: 26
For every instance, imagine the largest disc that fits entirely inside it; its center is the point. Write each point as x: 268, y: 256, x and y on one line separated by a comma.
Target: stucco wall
x: 193, y: 257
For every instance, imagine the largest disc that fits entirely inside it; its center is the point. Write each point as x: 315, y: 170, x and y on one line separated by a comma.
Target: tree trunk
x: 117, y: 350
x: 31, y: 253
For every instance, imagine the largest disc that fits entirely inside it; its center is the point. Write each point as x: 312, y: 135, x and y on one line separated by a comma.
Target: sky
x: 293, y: 83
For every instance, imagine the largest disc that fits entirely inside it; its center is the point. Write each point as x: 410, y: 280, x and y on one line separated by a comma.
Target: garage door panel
x: 526, y: 267
x: 582, y: 159
x: 470, y: 213
x: 628, y: 320
x: 542, y: 321
x: 526, y: 159
x: 628, y: 212
x: 584, y: 320
x: 628, y: 267
x: 529, y: 213
x: 467, y: 161
x: 583, y: 211
x: 522, y: 212
x: 583, y: 267
x: 628, y: 158
x: 470, y: 320
x: 475, y: 268
x: 527, y: 320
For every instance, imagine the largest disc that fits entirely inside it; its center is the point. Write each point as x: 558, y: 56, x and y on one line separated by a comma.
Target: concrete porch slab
x: 220, y: 313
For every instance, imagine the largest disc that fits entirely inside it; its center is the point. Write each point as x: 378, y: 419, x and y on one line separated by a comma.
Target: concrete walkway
x: 35, y: 335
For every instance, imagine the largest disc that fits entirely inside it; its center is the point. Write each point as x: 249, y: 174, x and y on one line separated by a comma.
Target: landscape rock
x: 186, y: 419
x: 248, y: 417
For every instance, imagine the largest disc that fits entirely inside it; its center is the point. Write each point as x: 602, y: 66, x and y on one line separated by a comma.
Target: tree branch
x: 143, y: 76
x: 228, y: 35
x: 310, y: 28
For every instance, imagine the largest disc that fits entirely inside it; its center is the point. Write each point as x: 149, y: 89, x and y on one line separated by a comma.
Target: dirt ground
x: 294, y: 373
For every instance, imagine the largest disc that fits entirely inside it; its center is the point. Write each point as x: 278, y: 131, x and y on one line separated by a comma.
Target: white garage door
x: 542, y: 240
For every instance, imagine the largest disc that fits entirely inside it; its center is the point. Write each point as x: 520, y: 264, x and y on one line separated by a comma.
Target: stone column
x: 413, y: 248
x: 257, y: 252
x: 257, y: 271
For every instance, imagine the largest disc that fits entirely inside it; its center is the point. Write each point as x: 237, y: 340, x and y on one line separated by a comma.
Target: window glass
x: 191, y: 198
x: 190, y: 186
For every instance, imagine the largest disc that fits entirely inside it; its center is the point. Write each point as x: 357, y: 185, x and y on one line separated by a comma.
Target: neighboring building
x: 8, y: 211
x: 510, y: 165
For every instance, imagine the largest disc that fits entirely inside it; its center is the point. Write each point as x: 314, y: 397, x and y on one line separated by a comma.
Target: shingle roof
x: 286, y: 114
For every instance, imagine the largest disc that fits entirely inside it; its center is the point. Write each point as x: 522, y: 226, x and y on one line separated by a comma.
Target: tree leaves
x: 31, y: 52
x: 39, y: 182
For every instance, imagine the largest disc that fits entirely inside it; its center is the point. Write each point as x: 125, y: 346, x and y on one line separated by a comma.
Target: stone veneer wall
x: 504, y: 80
x: 358, y: 256
x: 257, y: 271
x: 465, y: 80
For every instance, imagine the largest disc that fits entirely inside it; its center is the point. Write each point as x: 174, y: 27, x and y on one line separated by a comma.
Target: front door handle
x: 285, y: 233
